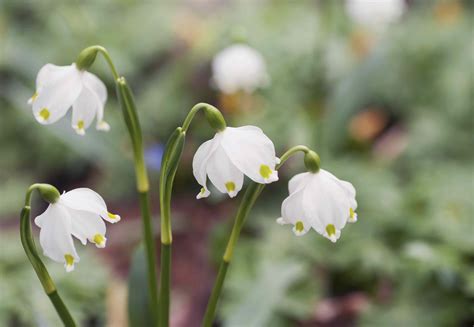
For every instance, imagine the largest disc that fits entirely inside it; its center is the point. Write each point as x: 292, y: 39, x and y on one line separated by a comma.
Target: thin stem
x: 107, y: 58
x: 193, y: 111
x: 216, y: 290
x: 250, y: 197
x: 169, y: 166
x: 43, y: 275
x: 132, y: 122
x: 165, y: 288
x: 150, y: 252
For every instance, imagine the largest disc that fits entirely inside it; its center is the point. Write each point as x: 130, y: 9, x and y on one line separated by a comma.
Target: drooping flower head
x: 59, y: 88
x: 79, y: 213
x: 231, y: 154
x: 321, y: 201
x: 239, y: 68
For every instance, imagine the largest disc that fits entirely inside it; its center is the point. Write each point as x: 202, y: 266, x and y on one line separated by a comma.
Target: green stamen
x: 44, y: 113
x: 299, y: 226
x: 331, y: 230
x: 265, y: 171
x: 230, y: 186
x: 69, y: 259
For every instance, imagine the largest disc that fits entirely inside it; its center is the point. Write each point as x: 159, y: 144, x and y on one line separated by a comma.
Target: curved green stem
x: 250, y: 197
x: 200, y: 106
x: 169, y: 166
x: 43, y: 275
x: 130, y: 115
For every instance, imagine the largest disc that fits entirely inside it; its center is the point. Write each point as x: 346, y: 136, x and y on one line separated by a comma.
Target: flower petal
x: 326, y: 202
x: 293, y: 213
x: 252, y: 152
x: 296, y: 181
x: 86, y: 199
x: 84, y: 110
x: 223, y: 174
x: 49, y: 74
x: 200, y: 161
x: 55, y: 235
x: 88, y: 226
x: 98, y: 87
x: 54, y: 99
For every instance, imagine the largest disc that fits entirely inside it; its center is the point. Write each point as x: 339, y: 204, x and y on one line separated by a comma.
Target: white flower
x: 239, y: 68
x: 321, y: 201
x: 375, y: 13
x: 60, y: 87
x: 233, y: 152
x: 77, y: 213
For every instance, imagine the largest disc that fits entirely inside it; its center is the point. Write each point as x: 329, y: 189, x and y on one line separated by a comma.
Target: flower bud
x: 86, y: 58
x: 48, y: 192
x: 312, y: 161
x: 215, y: 118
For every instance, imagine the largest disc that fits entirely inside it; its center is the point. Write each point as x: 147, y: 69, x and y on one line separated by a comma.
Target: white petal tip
x: 232, y: 194
x: 80, y: 131
x: 204, y: 193
x: 41, y: 120
x: 103, y: 126
x: 30, y: 101
x: 69, y: 268
x: 101, y: 245
x: 298, y: 232
x: 281, y: 221
x: 353, y: 218
x: 277, y: 160
x: 113, y: 218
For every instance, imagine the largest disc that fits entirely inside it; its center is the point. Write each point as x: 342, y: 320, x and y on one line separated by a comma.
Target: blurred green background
x: 388, y: 107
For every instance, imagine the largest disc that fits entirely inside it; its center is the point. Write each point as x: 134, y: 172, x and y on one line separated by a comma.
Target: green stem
x: 165, y: 290
x: 130, y: 115
x: 150, y: 252
x: 250, y: 197
x: 169, y: 166
x: 43, y: 275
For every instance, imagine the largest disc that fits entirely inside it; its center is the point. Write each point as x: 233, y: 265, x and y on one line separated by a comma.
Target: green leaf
x: 139, y: 310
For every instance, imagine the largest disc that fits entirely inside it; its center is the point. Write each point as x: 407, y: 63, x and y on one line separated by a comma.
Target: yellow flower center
x: 69, y: 259
x: 111, y: 215
x: 44, y: 113
x: 331, y: 230
x: 299, y: 226
x: 265, y: 171
x: 80, y: 124
x: 99, y: 239
x: 230, y: 186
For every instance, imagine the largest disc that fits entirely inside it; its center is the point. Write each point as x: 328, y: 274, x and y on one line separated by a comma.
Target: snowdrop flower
x: 231, y: 154
x: 77, y: 213
x: 321, y: 201
x: 59, y: 88
x: 375, y: 13
x: 239, y: 68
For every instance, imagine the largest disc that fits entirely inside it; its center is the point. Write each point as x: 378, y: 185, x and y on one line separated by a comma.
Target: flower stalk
x: 31, y: 252
x: 129, y: 111
x: 250, y: 197
x: 169, y: 166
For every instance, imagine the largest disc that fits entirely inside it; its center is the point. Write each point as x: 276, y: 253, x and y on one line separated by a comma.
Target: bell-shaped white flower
x: 375, y: 14
x: 77, y: 213
x: 59, y: 88
x: 320, y: 201
x: 231, y: 154
x: 239, y: 68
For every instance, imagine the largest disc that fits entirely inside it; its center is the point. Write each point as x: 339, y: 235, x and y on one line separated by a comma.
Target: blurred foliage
x: 23, y: 301
x: 390, y: 111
